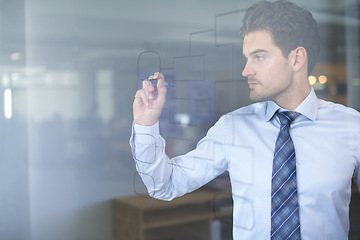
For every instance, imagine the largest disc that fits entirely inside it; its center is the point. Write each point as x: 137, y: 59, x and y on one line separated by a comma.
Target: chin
x: 254, y: 97
x: 257, y: 98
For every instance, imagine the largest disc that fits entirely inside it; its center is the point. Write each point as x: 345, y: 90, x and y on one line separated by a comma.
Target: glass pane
x: 69, y: 71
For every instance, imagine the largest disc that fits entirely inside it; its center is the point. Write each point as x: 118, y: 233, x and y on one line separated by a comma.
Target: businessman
x: 291, y: 157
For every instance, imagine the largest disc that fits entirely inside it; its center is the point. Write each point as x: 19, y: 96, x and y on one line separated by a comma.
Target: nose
x: 248, y: 70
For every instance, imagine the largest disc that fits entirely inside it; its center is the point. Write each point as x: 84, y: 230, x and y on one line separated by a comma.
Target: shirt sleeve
x: 167, y: 178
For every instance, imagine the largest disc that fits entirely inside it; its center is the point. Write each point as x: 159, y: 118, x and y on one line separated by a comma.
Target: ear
x: 299, y: 60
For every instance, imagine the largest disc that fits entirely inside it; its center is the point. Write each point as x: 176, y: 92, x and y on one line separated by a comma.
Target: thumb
x: 161, y: 87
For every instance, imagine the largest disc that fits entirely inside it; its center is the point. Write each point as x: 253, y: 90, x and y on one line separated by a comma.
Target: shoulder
x: 254, y: 110
x: 339, y: 115
x: 251, y: 110
x: 336, y: 108
x: 244, y: 116
x: 247, y: 115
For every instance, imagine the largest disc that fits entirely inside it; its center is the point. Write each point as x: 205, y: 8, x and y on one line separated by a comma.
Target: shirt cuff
x: 150, y: 130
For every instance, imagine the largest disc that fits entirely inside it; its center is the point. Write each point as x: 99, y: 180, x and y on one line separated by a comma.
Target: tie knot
x: 287, y: 117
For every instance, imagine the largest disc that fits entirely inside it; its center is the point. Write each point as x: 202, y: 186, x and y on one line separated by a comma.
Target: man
x: 277, y: 194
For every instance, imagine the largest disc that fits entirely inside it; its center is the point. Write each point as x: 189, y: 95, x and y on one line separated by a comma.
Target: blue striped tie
x: 285, y: 222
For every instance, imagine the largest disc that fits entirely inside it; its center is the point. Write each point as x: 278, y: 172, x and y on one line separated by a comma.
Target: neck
x: 297, y: 95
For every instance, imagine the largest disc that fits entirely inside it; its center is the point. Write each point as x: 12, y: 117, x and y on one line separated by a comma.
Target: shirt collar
x: 307, y: 108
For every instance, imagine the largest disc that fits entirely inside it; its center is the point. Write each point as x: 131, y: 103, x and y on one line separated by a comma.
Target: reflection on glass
x: 8, y: 103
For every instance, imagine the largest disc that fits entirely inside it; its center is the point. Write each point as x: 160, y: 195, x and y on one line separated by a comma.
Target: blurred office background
x: 69, y: 70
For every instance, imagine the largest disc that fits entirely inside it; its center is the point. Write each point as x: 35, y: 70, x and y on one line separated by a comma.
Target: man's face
x: 269, y: 73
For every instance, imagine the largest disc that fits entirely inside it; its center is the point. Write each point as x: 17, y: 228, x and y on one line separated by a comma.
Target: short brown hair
x: 290, y: 26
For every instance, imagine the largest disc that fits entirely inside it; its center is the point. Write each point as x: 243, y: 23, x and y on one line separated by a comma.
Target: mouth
x: 252, y: 84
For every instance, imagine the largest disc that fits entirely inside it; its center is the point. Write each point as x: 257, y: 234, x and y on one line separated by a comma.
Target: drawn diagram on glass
x: 208, y: 84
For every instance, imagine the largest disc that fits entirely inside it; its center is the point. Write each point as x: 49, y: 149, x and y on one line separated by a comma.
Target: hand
x: 149, y: 101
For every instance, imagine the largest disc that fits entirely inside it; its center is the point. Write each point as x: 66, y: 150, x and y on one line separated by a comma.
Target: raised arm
x: 167, y: 178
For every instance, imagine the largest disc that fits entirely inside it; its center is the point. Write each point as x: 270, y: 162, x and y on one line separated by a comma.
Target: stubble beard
x: 262, y: 94
x: 257, y: 96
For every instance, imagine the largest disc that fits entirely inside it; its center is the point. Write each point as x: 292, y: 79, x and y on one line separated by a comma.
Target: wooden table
x: 187, y: 217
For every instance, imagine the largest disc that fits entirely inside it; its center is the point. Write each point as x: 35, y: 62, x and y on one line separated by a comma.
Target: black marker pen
x: 166, y: 84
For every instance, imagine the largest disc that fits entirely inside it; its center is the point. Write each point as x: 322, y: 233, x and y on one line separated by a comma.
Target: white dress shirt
x: 327, y: 143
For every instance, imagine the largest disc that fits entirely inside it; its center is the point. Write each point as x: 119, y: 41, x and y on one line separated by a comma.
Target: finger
x: 159, y: 76
x: 160, y: 85
x: 147, y: 94
x: 148, y: 89
x: 156, y: 75
x: 145, y: 98
x: 141, y: 97
x: 161, y: 93
x: 152, y: 77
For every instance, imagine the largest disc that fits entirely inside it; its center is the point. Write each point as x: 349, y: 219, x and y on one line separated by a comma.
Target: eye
x: 259, y: 58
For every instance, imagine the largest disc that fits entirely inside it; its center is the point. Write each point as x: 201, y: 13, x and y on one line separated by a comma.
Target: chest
x: 326, y: 159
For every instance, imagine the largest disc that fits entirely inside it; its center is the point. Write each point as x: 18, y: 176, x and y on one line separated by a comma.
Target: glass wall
x: 69, y: 71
